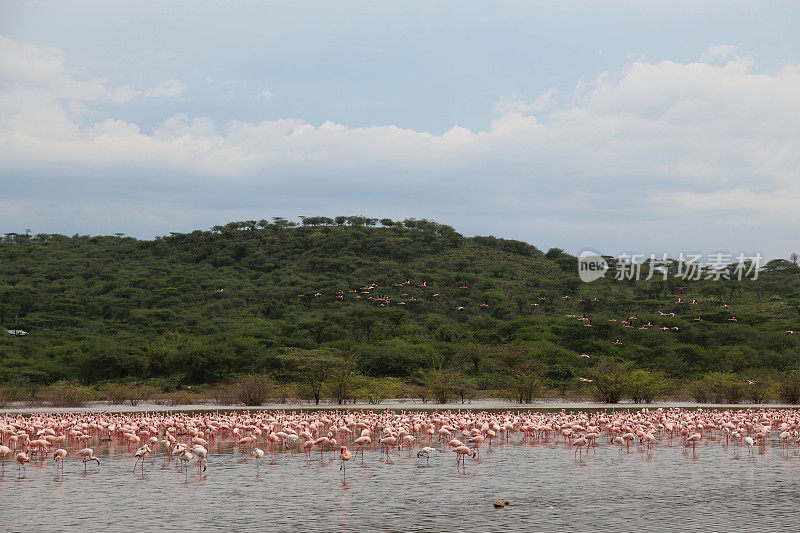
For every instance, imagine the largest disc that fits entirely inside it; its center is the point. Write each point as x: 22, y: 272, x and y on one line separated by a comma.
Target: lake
x: 721, y: 488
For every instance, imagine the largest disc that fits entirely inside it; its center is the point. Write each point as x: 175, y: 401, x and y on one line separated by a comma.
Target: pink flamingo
x: 344, y: 456
x: 87, y: 454
x: 59, y: 456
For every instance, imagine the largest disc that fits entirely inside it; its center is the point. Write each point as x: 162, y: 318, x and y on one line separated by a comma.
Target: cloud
x: 167, y: 89
x: 265, y: 95
x: 660, y: 153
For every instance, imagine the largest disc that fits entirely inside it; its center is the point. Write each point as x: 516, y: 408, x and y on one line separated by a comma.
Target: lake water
x: 721, y: 489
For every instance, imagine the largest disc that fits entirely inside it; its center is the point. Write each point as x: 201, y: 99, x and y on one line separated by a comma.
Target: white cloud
x: 674, y: 150
x: 167, y: 89
x: 265, y: 95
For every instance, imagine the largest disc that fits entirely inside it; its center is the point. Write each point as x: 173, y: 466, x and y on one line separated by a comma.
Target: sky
x: 638, y: 127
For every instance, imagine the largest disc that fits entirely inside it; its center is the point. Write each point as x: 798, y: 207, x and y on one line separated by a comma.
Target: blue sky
x: 650, y: 127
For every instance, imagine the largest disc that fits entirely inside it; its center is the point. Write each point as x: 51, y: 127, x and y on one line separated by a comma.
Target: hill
x: 388, y: 299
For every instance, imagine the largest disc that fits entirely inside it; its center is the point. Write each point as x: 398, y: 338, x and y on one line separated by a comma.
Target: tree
x: 610, y: 380
x: 788, y: 388
x: 343, y: 381
x: 253, y: 390
x: 524, y: 381
x: 643, y: 386
x: 314, y: 366
x: 441, y: 384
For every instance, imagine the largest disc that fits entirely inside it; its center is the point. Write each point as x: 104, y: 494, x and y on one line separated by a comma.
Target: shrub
x: 610, y: 378
x: 643, y: 386
x: 376, y: 390
x: 179, y: 398
x: 253, y: 390
x: 114, y: 393
x: 66, y: 394
x: 759, y: 391
x: 119, y: 393
x: 788, y: 388
x: 718, y: 387
x: 141, y: 392
x: 220, y: 395
x: 442, y: 384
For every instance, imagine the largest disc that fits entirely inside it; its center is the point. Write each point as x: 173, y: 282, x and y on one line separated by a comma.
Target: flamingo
x: 140, y: 454
x: 5, y: 453
x: 59, y: 456
x: 344, y: 456
x: 258, y: 453
x: 21, y: 458
x: 426, y: 451
x: 87, y: 454
x: 579, y: 443
x: 202, y: 455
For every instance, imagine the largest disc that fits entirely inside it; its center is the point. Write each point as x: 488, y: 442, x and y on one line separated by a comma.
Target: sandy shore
x: 482, y: 404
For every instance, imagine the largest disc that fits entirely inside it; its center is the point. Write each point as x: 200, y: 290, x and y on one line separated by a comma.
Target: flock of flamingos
x: 195, y: 438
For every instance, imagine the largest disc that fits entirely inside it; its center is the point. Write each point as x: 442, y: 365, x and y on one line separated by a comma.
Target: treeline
x: 406, y: 304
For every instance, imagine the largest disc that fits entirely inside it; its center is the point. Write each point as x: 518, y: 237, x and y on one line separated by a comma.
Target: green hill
x: 391, y: 299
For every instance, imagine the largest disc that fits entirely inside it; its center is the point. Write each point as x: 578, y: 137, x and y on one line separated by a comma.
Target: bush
x: 718, y: 387
x: 178, y: 398
x: 114, y: 393
x: 220, y: 395
x: 643, y: 386
x: 66, y: 394
x: 610, y: 379
x: 119, y: 393
x: 759, y: 391
x: 376, y: 390
x: 442, y: 384
x: 253, y: 390
x: 788, y: 388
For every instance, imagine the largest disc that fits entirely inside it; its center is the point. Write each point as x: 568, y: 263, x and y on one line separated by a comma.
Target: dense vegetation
x: 353, y: 307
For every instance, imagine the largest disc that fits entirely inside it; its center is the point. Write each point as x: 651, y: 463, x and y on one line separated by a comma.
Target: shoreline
x: 407, y: 405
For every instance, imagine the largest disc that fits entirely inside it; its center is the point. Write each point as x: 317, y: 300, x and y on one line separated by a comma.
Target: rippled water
x: 723, y: 488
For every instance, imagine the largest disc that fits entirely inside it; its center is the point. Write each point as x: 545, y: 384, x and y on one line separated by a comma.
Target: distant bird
x: 733, y: 319
x: 586, y: 380
x: 698, y: 319
x: 617, y: 342
x: 584, y: 355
